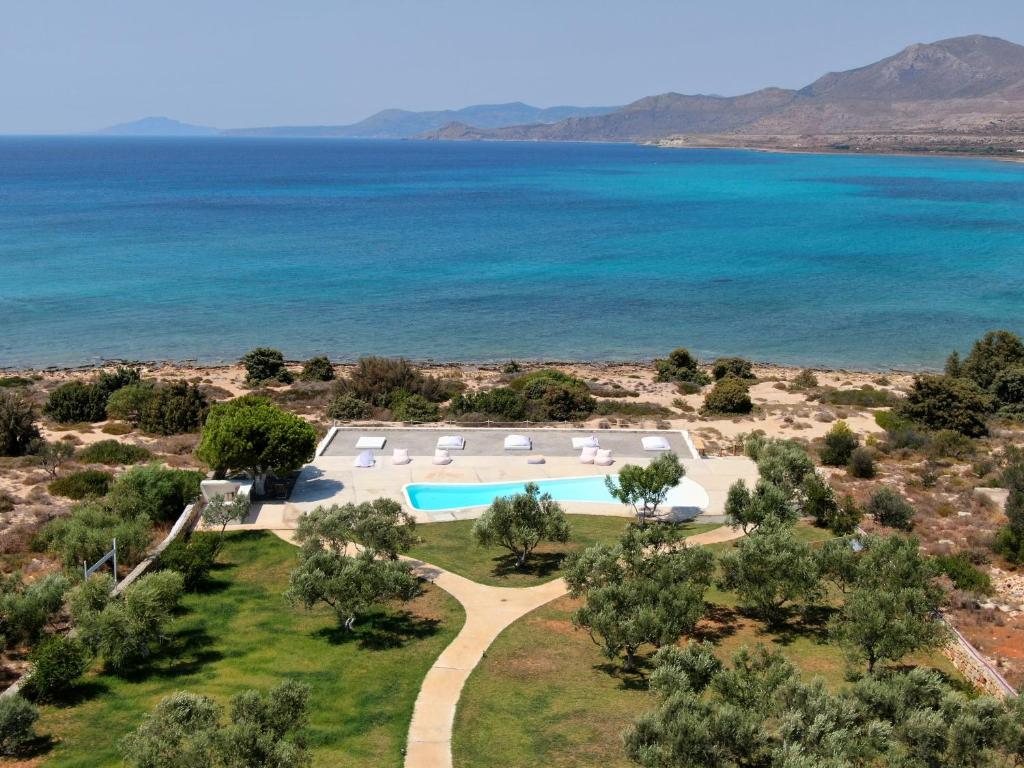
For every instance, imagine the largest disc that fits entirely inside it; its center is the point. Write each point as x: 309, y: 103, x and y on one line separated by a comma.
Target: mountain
x: 157, y: 126
x: 939, y: 92
x: 404, y: 124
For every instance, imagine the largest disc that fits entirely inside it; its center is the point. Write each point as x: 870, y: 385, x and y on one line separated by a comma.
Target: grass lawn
x: 451, y: 546
x: 546, y: 692
x: 241, y: 634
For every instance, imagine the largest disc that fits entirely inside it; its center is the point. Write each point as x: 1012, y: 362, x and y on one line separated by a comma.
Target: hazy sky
x: 70, y: 65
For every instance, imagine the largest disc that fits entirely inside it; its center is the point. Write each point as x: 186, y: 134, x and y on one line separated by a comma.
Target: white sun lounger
x: 364, y: 460
x: 451, y: 442
x: 655, y: 443
x: 585, y: 442
x: 604, y: 458
x: 588, y: 455
x: 518, y: 443
x: 369, y: 441
x: 441, y: 457
x: 400, y: 456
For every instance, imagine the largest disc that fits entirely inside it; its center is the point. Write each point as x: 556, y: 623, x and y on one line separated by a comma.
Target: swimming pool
x: 434, y: 497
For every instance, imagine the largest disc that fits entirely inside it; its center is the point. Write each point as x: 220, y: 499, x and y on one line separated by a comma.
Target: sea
x: 201, y: 248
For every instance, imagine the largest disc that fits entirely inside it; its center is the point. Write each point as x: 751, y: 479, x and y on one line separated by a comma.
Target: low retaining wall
x: 185, y: 521
x: 972, y: 665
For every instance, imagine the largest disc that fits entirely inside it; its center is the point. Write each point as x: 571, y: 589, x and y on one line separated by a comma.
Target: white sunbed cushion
x: 441, y: 457
x: 364, y: 460
x: 368, y: 441
x: 588, y: 455
x: 451, y: 441
x: 655, y: 443
x: 400, y: 456
x: 518, y: 443
x: 585, y: 442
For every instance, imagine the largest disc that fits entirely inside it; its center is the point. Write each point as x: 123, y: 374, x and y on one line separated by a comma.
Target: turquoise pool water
x: 429, y: 497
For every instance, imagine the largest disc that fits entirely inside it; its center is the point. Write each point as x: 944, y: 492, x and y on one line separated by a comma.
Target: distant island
x: 964, y: 94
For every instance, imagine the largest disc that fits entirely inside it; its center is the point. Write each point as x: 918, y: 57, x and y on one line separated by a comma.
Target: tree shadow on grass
x: 185, y: 653
x: 636, y: 679
x: 36, y: 747
x: 719, y: 622
x: 538, y: 564
x: 381, y: 630
x: 811, y: 624
x: 80, y: 693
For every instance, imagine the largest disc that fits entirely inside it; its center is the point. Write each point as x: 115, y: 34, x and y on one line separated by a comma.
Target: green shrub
x: 374, y: 379
x: 845, y: 518
x: 13, y: 382
x: 840, y: 442
x: 175, y: 409
x: 864, y: 397
x: 732, y: 366
x: 689, y: 387
x: 805, y: 379
x: 862, y: 463
x: 819, y: 500
x: 25, y: 609
x: 113, y: 453
x: 941, y: 402
x: 193, y: 558
x: 82, y: 484
x: 680, y: 365
x: 729, y: 396
x: 947, y: 444
x: 109, y: 382
x: 57, y: 664
x: 18, y: 430
x: 995, y: 352
x: 349, y: 408
x: 160, y: 493
x: 628, y: 409
x: 17, y: 721
x: 551, y: 395
x: 1008, y: 386
x: 500, y: 403
x: 317, y: 369
x: 75, y: 402
x: 889, y: 508
x: 406, y: 407
x: 86, y: 533
x: 130, y: 402
x: 263, y: 365
x: 511, y: 367
x: 964, y: 575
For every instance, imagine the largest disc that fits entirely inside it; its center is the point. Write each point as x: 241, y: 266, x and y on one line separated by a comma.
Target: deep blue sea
x: 202, y: 248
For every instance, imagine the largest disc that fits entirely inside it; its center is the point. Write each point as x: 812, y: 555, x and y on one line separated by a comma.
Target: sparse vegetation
x: 82, y: 484
x: 317, y: 369
x: 729, y: 396
x: 113, y: 453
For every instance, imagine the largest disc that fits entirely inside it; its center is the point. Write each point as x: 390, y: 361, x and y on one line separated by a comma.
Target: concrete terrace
x: 331, y: 478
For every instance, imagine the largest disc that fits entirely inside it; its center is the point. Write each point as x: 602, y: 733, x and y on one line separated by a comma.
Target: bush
x: 15, y: 381
x: 680, y: 365
x: 76, y: 401
x: 193, y: 558
x: 862, y: 463
x: 110, y: 382
x: 947, y: 444
x: 729, y: 395
x: 964, y: 575
x: 317, y: 369
x: 845, y: 518
x: 157, y: 492
x: 1008, y: 386
x: 374, y: 379
x: 887, y: 507
x: 129, y: 403
x: 941, y: 402
x: 993, y: 353
x: 82, y: 484
x: 840, y: 442
x: 113, y: 453
x: 349, y: 408
x: 18, y: 430
x: 511, y: 367
x: 501, y: 403
x: 732, y: 366
x: 175, y: 409
x: 25, y: 609
x: 263, y: 365
x: 865, y: 397
x: 406, y: 407
x: 17, y: 720
x: 57, y: 664
x: 805, y: 379
x: 550, y: 395
x: 85, y: 535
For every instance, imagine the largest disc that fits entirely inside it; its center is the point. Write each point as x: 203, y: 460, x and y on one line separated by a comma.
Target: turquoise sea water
x: 203, y: 248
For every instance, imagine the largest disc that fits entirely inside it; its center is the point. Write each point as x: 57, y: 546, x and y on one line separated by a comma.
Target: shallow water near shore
x: 202, y: 248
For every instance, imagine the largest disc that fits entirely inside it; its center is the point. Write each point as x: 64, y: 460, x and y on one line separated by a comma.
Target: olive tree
x: 749, y: 510
x: 646, y: 589
x: 644, y: 488
x: 522, y: 521
x: 351, y: 579
x: 251, y: 433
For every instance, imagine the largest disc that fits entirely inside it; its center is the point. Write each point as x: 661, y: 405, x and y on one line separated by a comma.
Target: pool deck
x: 331, y: 478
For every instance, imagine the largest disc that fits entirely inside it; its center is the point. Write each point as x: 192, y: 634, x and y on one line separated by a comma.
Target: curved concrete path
x: 488, y: 611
